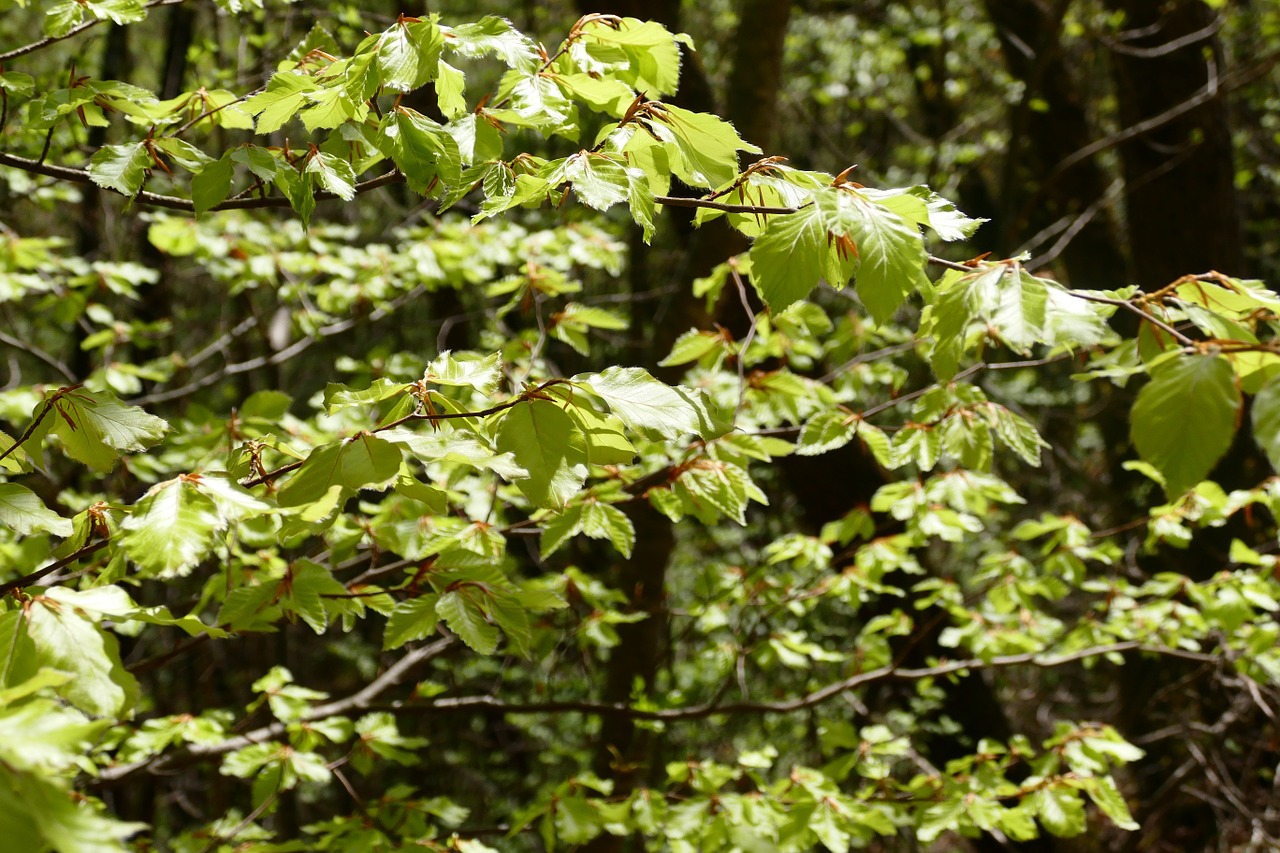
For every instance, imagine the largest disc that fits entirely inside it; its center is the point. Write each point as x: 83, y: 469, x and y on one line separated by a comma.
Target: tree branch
x: 173, y: 202
x: 361, y: 700
x: 74, y: 31
x: 816, y: 697
x: 26, y: 580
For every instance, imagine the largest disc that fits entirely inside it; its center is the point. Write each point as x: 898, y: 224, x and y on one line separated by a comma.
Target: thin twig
x: 358, y: 701
x: 809, y: 700
x: 26, y: 580
x: 32, y: 349
x: 74, y: 31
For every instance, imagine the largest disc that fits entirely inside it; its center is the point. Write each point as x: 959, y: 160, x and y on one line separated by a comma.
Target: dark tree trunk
x: 1050, y: 124
x: 1182, y: 215
x: 626, y: 753
x: 1180, y: 193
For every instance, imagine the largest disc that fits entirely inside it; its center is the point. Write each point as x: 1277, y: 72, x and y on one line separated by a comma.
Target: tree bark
x: 1049, y: 124
x: 1180, y: 195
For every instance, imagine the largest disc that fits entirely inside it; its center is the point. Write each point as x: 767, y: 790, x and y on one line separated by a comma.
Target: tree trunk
x: 1180, y: 193
x: 1047, y: 126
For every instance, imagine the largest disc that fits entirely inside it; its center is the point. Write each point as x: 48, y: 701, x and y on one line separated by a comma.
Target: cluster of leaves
x: 386, y: 505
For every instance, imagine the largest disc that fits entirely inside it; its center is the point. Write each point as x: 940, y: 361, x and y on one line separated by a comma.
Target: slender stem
x: 26, y: 580
x: 27, y: 433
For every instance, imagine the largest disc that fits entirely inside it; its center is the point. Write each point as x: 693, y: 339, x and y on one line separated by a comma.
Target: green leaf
x: 825, y: 431
x: 333, y: 174
x: 598, y: 180
x: 1184, y: 418
x: 1061, y: 810
x: 286, y: 93
x: 120, y: 167
x: 640, y: 200
x: 890, y: 251
x: 465, y: 618
x: 17, y: 83
x: 605, y: 95
x: 62, y: 17
x: 543, y: 440
x: 96, y: 428
x: 1266, y: 421
x: 408, y: 54
x: 465, y: 370
x: 705, y: 147
x: 117, y: 11
x: 413, y: 619
x: 560, y: 528
x: 450, y: 91
x: 652, y: 58
x: 644, y: 403
x: 605, y: 521
x: 494, y: 35
x: 171, y: 529
x: 1107, y: 797
x: 606, y: 444
x: 338, y: 397
x: 362, y: 461
x: 422, y: 149
x: 300, y: 191
x: 66, y: 639
x: 691, y: 346
x: 308, y: 585
x: 260, y: 162
x: 212, y: 184
x: 37, y: 815
x: 183, y: 153
x: 22, y: 511
x: 793, y: 255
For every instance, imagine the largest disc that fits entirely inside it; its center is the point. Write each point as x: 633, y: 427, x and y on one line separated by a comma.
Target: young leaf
x: 793, y: 255
x: 171, y: 529
x: 1185, y: 417
x: 286, y: 93
x: 644, y: 403
x: 408, y: 54
x: 22, y: 511
x: 1266, y: 421
x: 706, y: 147
x: 212, y: 184
x: 651, y: 58
x: 890, y: 251
x: 67, y: 640
x: 545, y: 443
x: 333, y: 174
x: 560, y: 528
x: 363, y: 461
x: 599, y: 181
x: 413, y: 619
x: 120, y: 167
x: 96, y: 428
x: 494, y: 35
x: 465, y: 618
x: 825, y: 431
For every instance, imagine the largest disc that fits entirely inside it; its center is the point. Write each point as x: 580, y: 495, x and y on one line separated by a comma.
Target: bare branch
x: 817, y: 697
x: 361, y: 700
x: 173, y: 202
x: 26, y: 580
x: 71, y: 33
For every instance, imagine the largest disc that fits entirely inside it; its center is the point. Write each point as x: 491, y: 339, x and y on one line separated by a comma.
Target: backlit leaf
x: 1185, y: 417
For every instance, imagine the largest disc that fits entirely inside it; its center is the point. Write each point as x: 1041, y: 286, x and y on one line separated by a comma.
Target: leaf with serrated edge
x: 465, y: 619
x: 96, y: 428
